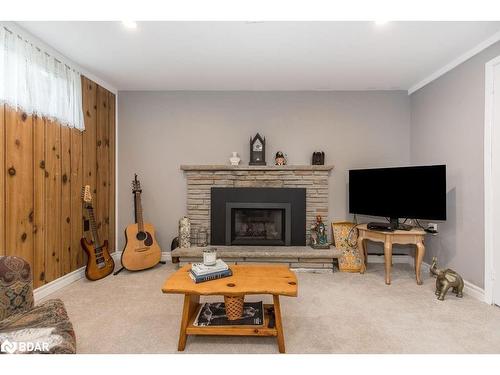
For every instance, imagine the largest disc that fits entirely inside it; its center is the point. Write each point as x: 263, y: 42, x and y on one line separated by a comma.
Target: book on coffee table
x: 214, y: 314
x: 210, y: 276
x: 199, y: 269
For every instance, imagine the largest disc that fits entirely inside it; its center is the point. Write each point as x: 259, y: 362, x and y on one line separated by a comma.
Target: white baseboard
x: 474, y: 291
x: 470, y: 289
x: 61, y: 282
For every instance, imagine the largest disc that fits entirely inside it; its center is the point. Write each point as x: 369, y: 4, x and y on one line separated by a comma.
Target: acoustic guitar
x: 141, y: 249
x: 100, y: 263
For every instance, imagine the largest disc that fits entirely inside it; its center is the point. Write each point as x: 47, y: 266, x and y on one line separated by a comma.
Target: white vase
x: 235, y: 159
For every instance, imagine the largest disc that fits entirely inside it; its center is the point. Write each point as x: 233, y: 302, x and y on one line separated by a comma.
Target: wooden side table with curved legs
x: 414, y: 236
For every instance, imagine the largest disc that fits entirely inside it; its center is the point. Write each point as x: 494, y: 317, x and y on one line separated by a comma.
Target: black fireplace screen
x: 261, y: 225
x: 258, y: 223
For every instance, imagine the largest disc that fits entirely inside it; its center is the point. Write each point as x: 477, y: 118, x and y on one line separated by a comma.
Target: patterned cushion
x: 16, y: 289
x: 46, y: 327
x: 24, y: 328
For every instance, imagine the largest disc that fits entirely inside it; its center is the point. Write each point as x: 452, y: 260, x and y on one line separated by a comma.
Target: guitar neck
x: 93, y: 226
x: 138, y: 211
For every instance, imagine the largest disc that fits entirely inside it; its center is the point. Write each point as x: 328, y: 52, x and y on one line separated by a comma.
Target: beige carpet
x: 334, y: 313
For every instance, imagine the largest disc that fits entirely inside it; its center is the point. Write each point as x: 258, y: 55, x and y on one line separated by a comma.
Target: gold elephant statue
x: 446, y: 279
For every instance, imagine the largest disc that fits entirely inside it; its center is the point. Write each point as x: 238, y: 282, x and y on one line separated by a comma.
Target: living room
x: 249, y: 185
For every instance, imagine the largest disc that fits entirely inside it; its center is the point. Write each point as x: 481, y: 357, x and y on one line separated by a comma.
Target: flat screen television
x: 402, y: 192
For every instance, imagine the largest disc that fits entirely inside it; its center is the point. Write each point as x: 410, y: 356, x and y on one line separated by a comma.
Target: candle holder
x: 209, y: 256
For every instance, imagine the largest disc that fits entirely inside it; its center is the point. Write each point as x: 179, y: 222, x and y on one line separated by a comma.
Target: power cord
x: 420, y: 225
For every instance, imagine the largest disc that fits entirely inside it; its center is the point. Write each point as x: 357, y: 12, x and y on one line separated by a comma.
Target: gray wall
x: 159, y: 131
x: 447, y: 126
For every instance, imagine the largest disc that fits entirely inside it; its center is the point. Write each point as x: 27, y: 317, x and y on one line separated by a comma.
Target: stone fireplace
x: 313, y: 179
x: 258, y: 213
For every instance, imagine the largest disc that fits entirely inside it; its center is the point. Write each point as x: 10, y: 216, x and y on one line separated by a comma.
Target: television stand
x: 415, y: 236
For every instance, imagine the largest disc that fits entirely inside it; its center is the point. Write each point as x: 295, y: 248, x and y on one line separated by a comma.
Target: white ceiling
x: 262, y: 55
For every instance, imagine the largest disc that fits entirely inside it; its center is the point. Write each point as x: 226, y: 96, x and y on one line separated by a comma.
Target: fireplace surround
x: 201, y: 179
x: 314, y: 179
x: 258, y: 216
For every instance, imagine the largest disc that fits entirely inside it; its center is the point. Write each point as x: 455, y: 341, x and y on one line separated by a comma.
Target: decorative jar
x: 202, y: 237
x: 185, y: 232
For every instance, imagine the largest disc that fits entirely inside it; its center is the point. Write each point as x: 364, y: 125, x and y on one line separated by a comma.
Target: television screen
x: 403, y: 192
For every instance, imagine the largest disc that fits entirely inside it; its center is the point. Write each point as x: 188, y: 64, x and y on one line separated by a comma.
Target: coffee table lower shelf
x: 235, y: 330
x: 192, y: 306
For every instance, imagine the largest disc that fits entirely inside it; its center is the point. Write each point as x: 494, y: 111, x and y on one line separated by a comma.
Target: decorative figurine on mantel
x: 319, y: 238
x: 280, y: 158
x: 257, y: 150
x: 446, y: 279
x: 235, y: 159
x: 318, y: 158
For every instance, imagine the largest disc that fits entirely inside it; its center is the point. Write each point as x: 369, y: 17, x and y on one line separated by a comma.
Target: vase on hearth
x: 185, y: 232
x: 235, y: 159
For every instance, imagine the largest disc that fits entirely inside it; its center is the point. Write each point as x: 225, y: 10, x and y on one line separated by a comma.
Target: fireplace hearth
x: 258, y: 216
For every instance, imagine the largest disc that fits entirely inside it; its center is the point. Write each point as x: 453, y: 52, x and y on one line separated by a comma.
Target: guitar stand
x: 117, y: 272
x: 122, y: 268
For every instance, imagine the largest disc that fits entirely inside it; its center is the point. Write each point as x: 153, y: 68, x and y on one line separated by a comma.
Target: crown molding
x: 454, y: 63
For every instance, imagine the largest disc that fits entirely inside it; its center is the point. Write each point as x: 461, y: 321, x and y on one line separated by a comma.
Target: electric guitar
x: 141, y: 249
x: 99, y: 264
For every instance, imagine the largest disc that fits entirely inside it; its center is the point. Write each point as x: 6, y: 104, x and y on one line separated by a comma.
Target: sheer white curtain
x: 37, y: 83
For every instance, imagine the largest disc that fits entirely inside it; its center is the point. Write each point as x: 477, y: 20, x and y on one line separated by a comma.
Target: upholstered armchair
x: 25, y: 328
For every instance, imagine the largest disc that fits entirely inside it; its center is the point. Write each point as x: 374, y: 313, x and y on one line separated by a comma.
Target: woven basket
x: 234, y: 306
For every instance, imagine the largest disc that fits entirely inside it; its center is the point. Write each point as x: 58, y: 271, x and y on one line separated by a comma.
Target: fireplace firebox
x: 258, y: 216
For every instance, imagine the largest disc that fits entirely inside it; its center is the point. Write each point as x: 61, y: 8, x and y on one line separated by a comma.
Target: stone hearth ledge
x: 293, y: 256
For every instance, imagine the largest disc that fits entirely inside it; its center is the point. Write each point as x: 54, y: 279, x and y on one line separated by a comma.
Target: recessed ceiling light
x: 380, y: 22
x: 130, y: 24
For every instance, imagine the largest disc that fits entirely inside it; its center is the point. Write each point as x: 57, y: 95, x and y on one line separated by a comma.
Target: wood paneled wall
x: 43, y: 166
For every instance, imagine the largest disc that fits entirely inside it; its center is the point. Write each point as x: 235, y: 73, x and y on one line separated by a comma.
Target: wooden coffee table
x: 246, y: 279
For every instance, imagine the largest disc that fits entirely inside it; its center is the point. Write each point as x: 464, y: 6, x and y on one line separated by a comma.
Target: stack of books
x: 200, y: 272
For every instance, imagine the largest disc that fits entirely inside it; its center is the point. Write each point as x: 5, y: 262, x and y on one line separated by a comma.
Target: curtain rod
x: 39, y: 49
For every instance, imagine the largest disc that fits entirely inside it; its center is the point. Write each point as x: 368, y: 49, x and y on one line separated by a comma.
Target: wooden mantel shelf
x: 223, y: 167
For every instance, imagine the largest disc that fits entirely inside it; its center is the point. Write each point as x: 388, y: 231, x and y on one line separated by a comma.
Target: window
x: 37, y: 83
